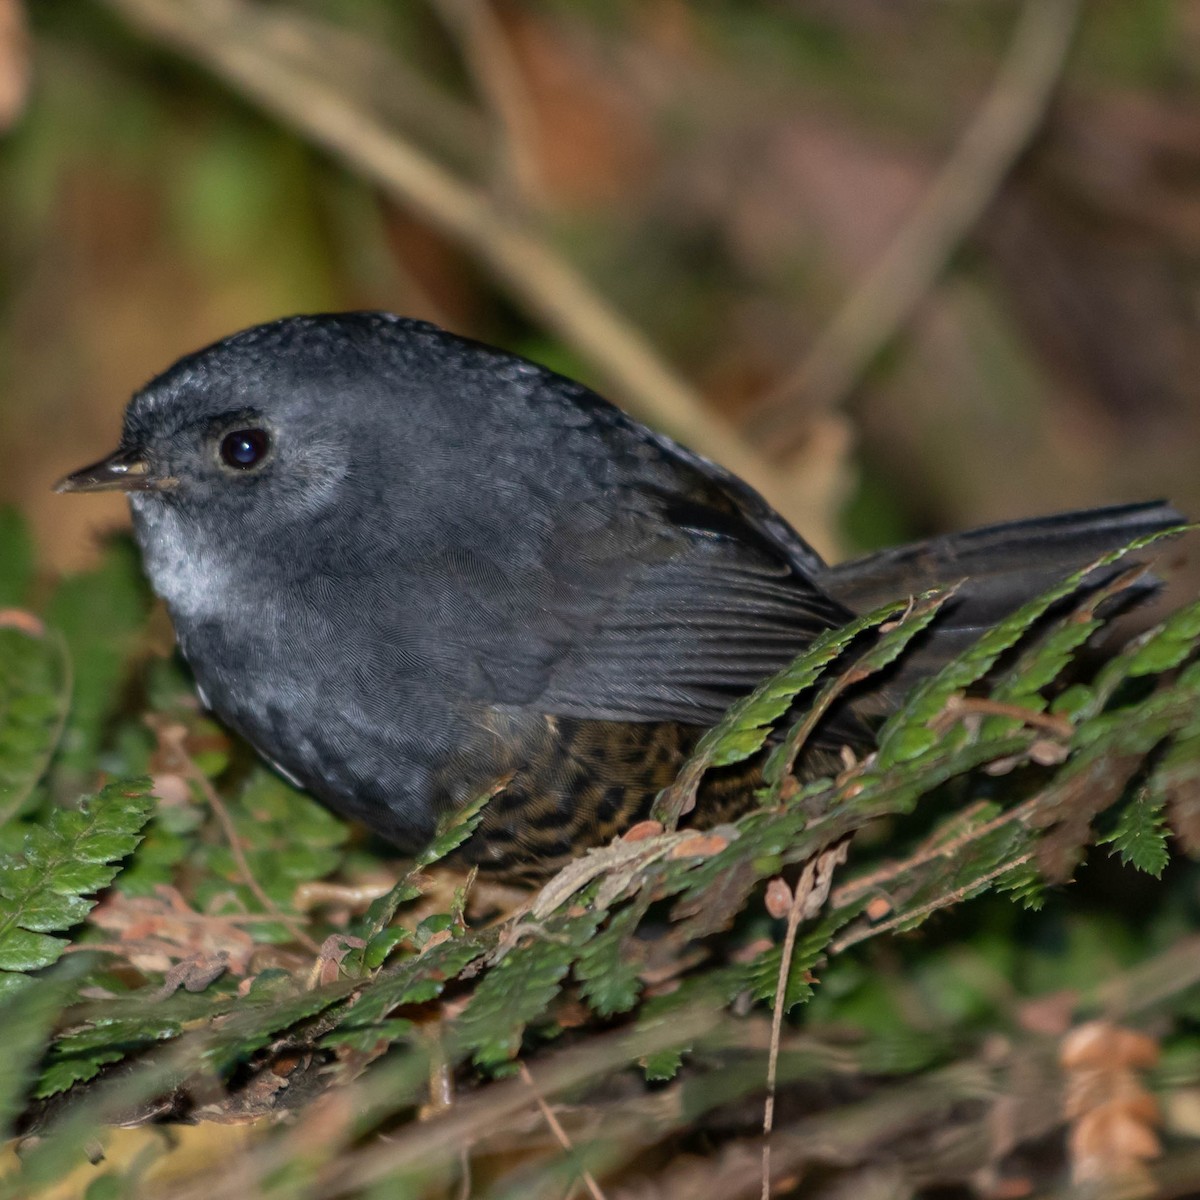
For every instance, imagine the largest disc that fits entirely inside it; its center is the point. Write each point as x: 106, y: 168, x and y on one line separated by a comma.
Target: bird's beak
x: 122, y: 471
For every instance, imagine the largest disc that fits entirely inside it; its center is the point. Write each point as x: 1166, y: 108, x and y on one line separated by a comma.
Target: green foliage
x: 50, y: 886
x: 210, y: 971
x: 115, y: 1030
x: 100, y: 616
x: 920, y: 984
x: 520, y: 986
x: 16, y: 559
x: 909, y: 732
x: 744, y: 729
x: 1140, y: 837
x: 887, y: 648
x: 607, y: 969
x: 379, y: 940
x: 34, y: 694
x: 27, y: 1014
x: 286, y: 839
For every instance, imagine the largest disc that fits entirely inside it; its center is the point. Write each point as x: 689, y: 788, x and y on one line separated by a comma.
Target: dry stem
x: 224, y: 36
x: 953, y: 204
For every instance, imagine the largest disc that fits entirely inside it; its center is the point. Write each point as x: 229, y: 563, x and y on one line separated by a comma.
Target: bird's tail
x: 998, y: 568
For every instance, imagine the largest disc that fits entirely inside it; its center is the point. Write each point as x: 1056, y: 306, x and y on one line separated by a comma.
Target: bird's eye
x: 245, y: 448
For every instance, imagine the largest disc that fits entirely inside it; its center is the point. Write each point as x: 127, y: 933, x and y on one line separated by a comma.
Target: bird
x: 409, y: 568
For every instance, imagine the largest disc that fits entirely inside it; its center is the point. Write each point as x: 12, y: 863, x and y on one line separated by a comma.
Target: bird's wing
x: 680, y: 638
x: 664, y: 600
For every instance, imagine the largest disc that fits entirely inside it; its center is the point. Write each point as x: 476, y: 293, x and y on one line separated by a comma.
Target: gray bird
x: 406, y: 566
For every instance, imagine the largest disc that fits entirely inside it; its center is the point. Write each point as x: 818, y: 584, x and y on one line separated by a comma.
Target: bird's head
x: 246, y: 447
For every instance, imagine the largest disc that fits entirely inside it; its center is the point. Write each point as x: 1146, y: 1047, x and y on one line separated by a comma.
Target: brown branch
x: 15, y: 63
x: 224, y: 38
x: 1143, y: 987
x: 959, y: 706
x: 953, y: 204
x: 471, y: 1117
x: 804, y: 887
x: 860, y: 933
x: 486, y: 49
x: 560, y: 1133
x: 362, y: 67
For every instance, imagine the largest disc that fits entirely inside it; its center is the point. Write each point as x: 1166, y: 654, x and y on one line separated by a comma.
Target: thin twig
x: 490, y: 1108
x: 560, y: 1134
x: 862, y: 932
x: 959, y: 706
x: 22, y: 792
x: 804, y: 887
x: 538, y: 277
x: 219, y: 810
x: 362, y: 66
x: 487, y: 50
x: 960, y: 194
x: 933, y: 848
x: 465, y: 1186
x: 1140, y: 988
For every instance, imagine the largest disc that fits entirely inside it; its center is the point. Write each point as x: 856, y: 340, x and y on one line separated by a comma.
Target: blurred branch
x: 891, y: 1127
x: 15, y: 62
x: 497, y: 1105
x: 959, y: 195
x: 363, y: 69
x: 226, y: 37
x: 560, y: 1134
x: 981, y: 1107
x: 796, y: 909
x: 487, y: 51
x: 1175, y: 1177
x: 1150, y: 983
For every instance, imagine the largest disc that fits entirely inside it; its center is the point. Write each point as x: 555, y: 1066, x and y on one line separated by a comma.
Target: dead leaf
x: 327, y: 968
x: 1047, y: 753
x: 1102, y: 1044
x: 823, y: 867
x: 171, y: 790
x: 156, y: 933
x: 619, y: 857
x: 1114, y: 1118
x: 752, y: 950
x: 193, y: 974
x: 699, y: 845
x: 16, y: 618
x: 642, y: 830
x: 779, y: 898
x: 436, y: 939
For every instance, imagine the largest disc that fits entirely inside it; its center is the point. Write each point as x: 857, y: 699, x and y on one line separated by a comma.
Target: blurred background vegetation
x: 908, y: 265
x: 926, y: 269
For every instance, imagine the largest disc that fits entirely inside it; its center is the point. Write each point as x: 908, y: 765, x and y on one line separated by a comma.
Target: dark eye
x: 245, y: 448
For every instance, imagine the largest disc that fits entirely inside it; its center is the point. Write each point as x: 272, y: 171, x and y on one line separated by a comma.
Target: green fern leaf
x: 34, y: 694
x: 1140, y: 837
x: 16, y: 558
x: 48, y: 886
